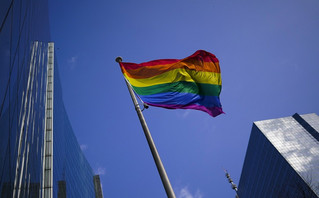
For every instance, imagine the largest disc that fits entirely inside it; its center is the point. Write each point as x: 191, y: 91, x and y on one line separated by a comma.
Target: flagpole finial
x: 118, y: 59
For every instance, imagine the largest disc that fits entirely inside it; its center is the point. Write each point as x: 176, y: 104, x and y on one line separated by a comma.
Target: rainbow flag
x: 190, y: 83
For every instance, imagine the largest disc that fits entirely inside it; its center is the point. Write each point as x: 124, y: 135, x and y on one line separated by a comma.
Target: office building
x: 39, y: 153
x: 282, y: 159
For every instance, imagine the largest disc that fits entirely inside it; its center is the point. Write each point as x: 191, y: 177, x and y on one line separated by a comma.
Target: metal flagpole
x: 167, y: 185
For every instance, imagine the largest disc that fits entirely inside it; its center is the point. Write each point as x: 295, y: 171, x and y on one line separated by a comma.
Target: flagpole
x: 167, y: 185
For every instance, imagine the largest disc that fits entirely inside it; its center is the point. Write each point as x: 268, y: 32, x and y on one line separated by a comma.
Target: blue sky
x: 268, y: 52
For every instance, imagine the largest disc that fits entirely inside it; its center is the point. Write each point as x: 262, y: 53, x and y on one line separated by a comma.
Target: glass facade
x: 282, y: 159
x: 39, y: 153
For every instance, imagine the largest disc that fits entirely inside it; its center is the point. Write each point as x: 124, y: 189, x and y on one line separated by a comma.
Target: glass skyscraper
x: 39, y: 153
x: 282, y: 159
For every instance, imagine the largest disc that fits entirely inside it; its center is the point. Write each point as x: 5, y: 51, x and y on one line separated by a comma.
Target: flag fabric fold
x: 190, y: 83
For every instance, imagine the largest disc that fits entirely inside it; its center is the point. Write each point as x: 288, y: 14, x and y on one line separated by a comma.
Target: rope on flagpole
x: 145, y: 106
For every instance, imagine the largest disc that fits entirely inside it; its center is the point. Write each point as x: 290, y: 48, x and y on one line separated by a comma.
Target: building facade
x: 39, y: 153
x: 282, y: 159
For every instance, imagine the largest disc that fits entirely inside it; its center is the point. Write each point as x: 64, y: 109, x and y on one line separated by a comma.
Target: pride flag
x: 190, y: 83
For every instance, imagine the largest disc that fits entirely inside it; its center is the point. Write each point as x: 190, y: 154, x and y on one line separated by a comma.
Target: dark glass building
x: 282, y: 159
x: 39, y: 153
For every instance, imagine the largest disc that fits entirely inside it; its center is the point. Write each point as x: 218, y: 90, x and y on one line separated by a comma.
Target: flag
x: 190, y: 83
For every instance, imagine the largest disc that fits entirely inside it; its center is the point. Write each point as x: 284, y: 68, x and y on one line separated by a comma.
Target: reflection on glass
x: 24, y: 38
x: 282, y: 159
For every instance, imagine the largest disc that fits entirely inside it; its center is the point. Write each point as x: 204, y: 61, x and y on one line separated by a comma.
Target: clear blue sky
x: 269, y: 57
